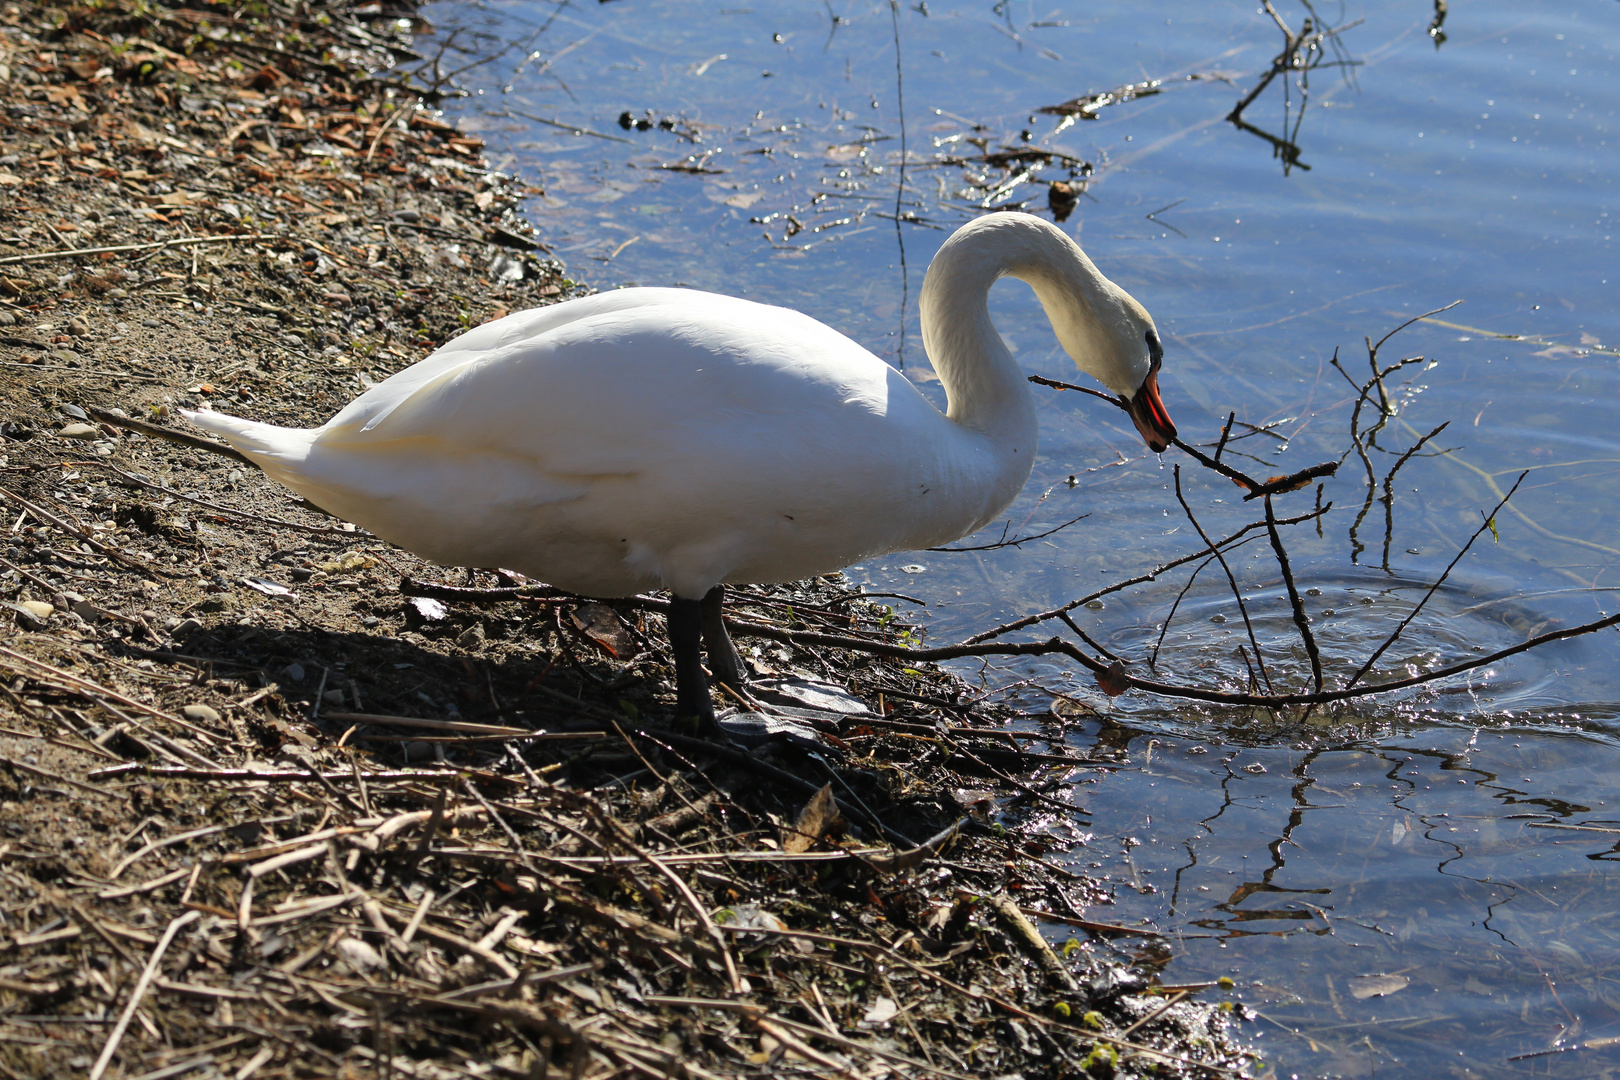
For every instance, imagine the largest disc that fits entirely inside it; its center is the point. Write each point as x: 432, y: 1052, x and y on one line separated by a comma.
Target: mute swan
x: 666, y: 438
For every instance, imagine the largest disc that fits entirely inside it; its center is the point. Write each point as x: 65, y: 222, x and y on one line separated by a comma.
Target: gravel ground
x: 278, y: 799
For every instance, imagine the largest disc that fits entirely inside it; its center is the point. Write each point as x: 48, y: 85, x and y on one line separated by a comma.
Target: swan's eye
x: 1155, y: 350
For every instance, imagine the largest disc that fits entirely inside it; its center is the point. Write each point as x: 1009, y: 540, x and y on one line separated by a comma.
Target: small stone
x: 87, y: 611
x: 76, y: 430
x: 333, y: 697
x: 152, y: 323
x: 7, y: 319
x: 78, y: 326
x: 34, y: 613
x: 295, y: 672
x: 185, y: 628
x: 472, y: 637
x: 369, y: 621
x: 201, y: 714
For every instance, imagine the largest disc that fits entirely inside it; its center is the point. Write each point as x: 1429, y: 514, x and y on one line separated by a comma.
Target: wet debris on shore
x: 277, y: 799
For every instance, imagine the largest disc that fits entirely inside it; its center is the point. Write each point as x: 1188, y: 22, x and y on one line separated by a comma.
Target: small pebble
x: 78, y: 326
x: 472, y: 637
x: 295, y: 672
x: 7, y: 319
x: 39, y: 609
x: 185, y: 628
x: 152, y: 323
x: 200, y: 714
x: 79, y: 431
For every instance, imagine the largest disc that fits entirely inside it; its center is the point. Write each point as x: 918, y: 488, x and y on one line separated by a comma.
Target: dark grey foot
x: 724, y: 660
x: 692, y: 702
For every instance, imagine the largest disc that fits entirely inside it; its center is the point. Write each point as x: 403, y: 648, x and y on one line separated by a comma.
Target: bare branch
x: 1237, y: 593
x: 1486, y: 524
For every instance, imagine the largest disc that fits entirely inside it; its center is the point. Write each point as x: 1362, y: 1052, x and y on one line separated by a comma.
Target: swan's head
x: 1134, y: 372
x: 1112, y: 338
x: 1104, y: 330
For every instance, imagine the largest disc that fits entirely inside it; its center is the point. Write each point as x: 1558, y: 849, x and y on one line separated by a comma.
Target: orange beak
x: 1148, y: 411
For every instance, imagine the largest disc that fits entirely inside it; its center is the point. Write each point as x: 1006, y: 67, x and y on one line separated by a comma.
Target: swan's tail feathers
x: 158, y: 431
x: 279, y: 451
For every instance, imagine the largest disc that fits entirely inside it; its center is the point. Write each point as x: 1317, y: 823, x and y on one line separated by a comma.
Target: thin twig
x: 1301, y: 620
x: 1488, y: 523
x: 40, y: 256
x: 1248, y: 624
x: 136, y: 995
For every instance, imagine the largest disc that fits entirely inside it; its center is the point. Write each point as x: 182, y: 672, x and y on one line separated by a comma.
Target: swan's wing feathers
x: 626, y: 386
x: 376, y: 404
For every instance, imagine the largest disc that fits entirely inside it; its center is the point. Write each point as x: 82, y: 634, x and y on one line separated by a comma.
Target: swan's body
x: 668, y: 438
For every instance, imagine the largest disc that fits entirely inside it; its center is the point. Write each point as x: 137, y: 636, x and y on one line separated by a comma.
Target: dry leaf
x: 819, y: 817
x: 601, y: 624
x: 1363, y: 987
x: 1113, y: 681
x: 1295, y: 486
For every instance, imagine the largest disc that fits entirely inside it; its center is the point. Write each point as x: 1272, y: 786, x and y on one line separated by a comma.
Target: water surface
x: 1409, y: 840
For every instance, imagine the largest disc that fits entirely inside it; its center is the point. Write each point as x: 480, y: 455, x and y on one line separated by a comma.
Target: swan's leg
x: 724, y: 662
x: 691, y: 685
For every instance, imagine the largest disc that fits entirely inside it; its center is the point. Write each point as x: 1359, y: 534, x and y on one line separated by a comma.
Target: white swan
x: 666, y: 438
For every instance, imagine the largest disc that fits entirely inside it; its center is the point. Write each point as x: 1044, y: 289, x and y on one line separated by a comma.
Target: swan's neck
x: 985, y: 390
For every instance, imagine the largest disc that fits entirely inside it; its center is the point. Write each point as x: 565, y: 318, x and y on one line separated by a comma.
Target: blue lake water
x: 1460, y: 842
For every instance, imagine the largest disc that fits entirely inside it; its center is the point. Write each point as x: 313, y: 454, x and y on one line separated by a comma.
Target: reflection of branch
x: 1388, y: 498
x: 1301, y: 52
x: 1437, y: 22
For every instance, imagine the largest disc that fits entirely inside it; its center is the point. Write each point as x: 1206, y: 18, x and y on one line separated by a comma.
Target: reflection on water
x: 1419, y: 898
x: 1435, y: 903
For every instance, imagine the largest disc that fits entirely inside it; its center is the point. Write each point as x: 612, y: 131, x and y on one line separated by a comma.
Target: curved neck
x: 985, y: 387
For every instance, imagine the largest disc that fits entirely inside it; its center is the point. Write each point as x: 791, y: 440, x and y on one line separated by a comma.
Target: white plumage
x: 668, y: 438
